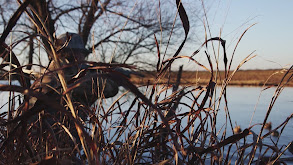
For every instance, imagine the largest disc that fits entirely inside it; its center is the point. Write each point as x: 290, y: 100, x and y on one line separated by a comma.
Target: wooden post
x: 179, y: 74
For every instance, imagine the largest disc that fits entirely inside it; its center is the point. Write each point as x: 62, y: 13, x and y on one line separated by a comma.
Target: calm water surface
x: 248, y: 106
x: 243, y: 102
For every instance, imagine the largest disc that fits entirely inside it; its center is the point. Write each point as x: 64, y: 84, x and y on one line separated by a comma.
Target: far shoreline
x: 242, y: 78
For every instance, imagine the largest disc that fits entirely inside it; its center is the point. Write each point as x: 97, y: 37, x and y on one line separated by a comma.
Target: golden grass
x: 241, y: 78
x: 152, y: 129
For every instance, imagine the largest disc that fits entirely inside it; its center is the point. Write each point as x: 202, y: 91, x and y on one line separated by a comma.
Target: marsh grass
x: 259, y: 78
x: 145, y: 127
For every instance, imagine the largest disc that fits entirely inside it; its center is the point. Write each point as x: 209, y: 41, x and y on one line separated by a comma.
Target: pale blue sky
x: 271, y: 37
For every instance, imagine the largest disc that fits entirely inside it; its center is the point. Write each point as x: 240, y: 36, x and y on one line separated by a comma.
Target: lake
x: 248, y: 106
x: 243, y: 102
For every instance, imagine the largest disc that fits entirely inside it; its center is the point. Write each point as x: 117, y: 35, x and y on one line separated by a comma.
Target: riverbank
x: 240, y: 78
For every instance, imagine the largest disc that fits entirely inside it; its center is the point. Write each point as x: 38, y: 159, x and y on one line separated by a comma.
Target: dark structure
x: 71, y: 55
x: 86, y: 83
x: 84, y: 91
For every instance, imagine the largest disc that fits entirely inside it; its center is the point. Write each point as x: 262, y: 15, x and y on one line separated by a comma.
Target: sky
x: 270, y: 38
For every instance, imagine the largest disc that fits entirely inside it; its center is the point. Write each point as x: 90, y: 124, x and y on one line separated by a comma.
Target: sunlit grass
x: 143, y: 127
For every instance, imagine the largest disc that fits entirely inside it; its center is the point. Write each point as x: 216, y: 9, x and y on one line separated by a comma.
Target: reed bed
x: 241, y: 78
x: 145, y: 128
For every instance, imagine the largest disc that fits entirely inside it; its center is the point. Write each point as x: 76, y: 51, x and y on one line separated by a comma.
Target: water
x: 243, y: 102
x: 247, y: 107
x: 250, y: 104
x: 4, y: 96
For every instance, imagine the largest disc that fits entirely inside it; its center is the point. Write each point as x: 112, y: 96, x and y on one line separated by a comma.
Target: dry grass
x: 240, y: 78
x: 146, y: 128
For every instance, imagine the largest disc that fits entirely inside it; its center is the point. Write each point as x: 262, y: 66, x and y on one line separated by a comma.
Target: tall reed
x: 143, y: 125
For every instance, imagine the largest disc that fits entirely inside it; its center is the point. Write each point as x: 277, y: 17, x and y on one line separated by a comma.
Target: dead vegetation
x: 147, y: 128
x: 241, y: 78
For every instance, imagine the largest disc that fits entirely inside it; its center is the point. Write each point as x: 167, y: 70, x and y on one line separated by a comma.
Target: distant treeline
x: 240, y: 78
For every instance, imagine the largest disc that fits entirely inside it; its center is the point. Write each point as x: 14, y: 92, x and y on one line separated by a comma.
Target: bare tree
x: 119, y: 30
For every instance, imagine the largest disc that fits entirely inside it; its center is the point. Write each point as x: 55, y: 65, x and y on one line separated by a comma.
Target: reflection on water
x: 4, y: 96
x: 243, y: 103
x: 250, y: 104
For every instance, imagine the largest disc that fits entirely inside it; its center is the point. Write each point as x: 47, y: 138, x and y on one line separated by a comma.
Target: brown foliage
x: 150, y: 129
